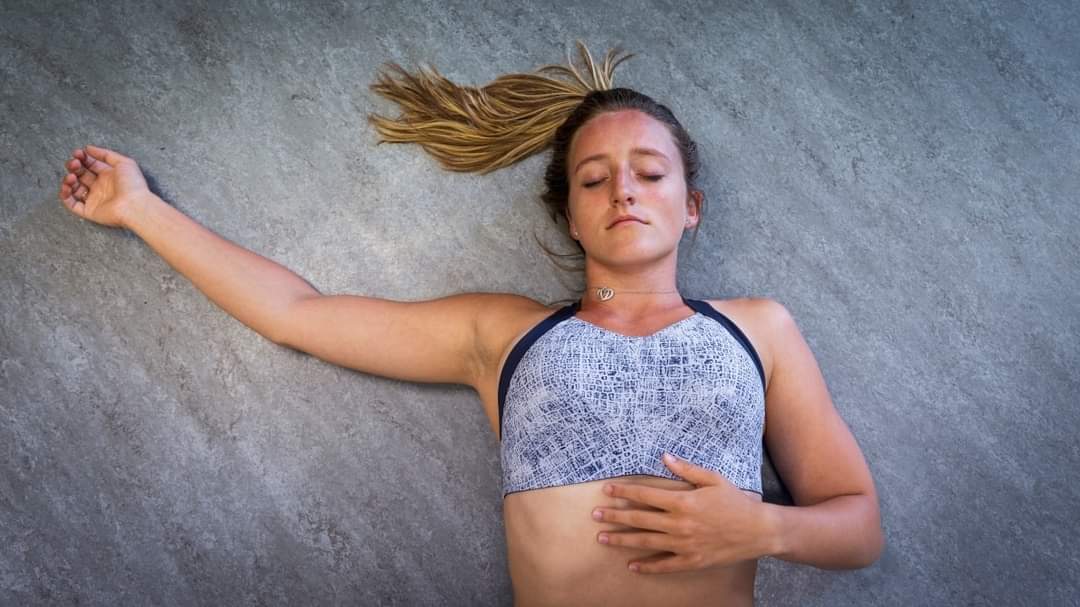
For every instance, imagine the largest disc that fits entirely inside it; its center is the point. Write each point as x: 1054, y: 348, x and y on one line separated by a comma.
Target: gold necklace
x: 606, y: 293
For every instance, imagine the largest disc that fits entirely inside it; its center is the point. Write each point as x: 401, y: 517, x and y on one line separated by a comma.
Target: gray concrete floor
x: 902, y: 176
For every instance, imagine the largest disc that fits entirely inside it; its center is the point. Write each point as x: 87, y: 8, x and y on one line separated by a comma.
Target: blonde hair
x: 471, y: 129
x: 485, y: 129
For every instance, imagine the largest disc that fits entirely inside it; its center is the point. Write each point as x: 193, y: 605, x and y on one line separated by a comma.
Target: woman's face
x: 626, y: 163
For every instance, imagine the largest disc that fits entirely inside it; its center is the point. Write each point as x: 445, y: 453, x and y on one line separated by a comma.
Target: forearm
x: 253, y: 289
x: 839, y: 533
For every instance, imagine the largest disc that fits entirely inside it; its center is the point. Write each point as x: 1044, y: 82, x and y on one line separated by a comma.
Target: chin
x: 634, y: 255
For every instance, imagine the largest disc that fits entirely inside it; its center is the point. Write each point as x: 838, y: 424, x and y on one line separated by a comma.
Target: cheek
x: 675, y: 187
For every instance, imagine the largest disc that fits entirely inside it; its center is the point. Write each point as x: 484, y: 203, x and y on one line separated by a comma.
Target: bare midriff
x: 555, y: 558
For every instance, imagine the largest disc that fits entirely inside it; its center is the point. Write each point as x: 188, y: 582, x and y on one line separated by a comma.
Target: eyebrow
x: 646, y: 151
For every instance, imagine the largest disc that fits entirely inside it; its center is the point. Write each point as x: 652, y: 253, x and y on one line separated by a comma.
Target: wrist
x: 134, y: 208
x: 774, y: 536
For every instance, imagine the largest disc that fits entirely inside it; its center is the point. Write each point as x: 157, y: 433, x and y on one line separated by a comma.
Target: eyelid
x: 657, y: 177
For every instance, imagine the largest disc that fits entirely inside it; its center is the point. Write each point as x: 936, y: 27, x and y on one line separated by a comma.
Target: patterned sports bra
x: 578, y: 402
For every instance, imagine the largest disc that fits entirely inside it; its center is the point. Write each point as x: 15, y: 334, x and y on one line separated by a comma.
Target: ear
x: 693, y: 207
x: 570, y: 225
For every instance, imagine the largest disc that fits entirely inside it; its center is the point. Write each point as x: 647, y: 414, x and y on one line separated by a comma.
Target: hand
x: 100, y: 184
x: 714, y: 524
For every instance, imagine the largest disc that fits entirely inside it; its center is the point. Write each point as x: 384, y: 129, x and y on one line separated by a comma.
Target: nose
x: 623, y: 189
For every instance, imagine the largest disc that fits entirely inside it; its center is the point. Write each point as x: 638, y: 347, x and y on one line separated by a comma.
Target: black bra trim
x: 708, y: 310
x: 521, y: 347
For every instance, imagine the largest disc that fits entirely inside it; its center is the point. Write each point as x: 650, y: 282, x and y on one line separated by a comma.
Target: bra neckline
x: 576, y: 306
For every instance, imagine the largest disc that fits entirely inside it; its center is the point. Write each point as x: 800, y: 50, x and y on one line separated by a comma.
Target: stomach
x: 555, y: 559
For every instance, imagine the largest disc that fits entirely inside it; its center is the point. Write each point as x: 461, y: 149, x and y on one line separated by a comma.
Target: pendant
x: 605, y: 293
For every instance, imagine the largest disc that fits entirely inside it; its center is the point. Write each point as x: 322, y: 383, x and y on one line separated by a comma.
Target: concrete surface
x: 901, y: 175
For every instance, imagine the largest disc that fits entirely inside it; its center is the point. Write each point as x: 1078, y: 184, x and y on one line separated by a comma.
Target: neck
x: 635, y: 293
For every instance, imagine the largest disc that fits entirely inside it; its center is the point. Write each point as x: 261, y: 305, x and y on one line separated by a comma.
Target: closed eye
x: 653, y: 178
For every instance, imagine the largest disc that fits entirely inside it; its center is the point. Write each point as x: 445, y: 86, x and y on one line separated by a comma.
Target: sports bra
x: 578, y: 402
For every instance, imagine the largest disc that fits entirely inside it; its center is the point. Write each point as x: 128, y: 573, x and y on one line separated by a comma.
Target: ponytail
x: 470, y: 129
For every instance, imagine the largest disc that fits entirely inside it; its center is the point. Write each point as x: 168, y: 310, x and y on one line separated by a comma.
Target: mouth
x: 625, y: 220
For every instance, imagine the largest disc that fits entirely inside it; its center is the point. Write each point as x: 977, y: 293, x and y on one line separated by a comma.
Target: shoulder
x: 503, y: 317
x: 764, y: 311
x: 499, y: 307
x: 501, y: 312
x: 763, y: 320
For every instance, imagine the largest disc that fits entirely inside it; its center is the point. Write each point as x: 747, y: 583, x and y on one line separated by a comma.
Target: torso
x: 551, y: 538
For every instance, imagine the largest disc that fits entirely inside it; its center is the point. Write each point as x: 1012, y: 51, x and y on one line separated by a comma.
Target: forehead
x: 624, y: 129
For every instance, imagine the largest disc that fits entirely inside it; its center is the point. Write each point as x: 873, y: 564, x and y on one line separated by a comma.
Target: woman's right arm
x: 253, y: 289
x: 423, y: 341
x: 426, y: 341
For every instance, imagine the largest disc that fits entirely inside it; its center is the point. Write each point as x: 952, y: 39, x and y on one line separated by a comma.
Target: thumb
x: 693, y: 473
x: 109, y: 156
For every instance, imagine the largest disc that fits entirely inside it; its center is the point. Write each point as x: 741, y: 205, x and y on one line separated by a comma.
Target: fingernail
x: 669, y: 458
x: 634, y: 567
x: 596, y: 514
x: 603, y: 538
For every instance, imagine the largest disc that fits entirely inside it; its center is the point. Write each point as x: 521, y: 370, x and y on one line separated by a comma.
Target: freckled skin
x: 625, y: 183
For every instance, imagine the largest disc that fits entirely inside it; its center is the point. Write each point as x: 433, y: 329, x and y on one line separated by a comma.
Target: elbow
x: 874, y: 542
x: 879, y: 547
x: 285, y: 343
x: 277, y: 340
x: 871, y: 548
x: 864, y: 556
x: 874, y: 547
x: 280, y: 333
x: 272, y: 337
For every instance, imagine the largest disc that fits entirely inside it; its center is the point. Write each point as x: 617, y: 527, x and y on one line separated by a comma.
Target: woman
x: 586, y: 397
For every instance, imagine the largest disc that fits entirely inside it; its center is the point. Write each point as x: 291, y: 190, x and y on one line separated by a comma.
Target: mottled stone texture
x: 901, y: 175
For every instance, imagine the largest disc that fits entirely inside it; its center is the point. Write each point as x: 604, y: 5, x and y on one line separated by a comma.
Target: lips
x: 622, y: 219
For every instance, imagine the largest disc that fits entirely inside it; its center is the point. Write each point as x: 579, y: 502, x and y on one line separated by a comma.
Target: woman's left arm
x: 835, y: 522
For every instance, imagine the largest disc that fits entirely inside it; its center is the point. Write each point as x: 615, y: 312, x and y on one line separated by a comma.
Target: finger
x: 67, y: 184
x: 74, y: 166
x: 69, y: 201
x: 664, y: 563
x: 642, y: 519
x: 638, y: 539
x: 94, y: 165
x: 81, y: 192
x: 79, y: 170
x: 87, y: 178
x: 693, y: 473
x: 105, y: 154
x: 666, y: 499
